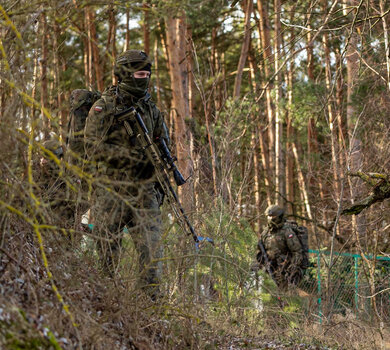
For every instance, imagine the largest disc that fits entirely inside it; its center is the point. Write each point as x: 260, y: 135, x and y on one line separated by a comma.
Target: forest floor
x: 69, y: 304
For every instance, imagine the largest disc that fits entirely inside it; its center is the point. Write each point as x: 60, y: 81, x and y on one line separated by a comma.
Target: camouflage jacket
x: 107, y: 142
x: 282, y: 245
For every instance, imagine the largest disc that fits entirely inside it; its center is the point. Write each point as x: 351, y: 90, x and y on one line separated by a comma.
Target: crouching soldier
x: 280, y: 250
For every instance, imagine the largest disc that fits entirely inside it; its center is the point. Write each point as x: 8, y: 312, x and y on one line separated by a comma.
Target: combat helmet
x: 126, y: 65
x: 274, y: 210
x: 131, y: 61
x: 275, y: 215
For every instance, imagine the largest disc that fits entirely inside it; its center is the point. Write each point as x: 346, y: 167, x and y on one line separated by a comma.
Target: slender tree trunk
x: 331, y: 117
x: 289, y: 152
x: 94, y: 56
x: 279, y: 154
x: 57, y: 73
x: 157, y: 75
x: 111, y: 40
x: 255, y: 146
x: 260, y: 147
x: 244, y: 48
x: 146, y: 27
x: 302, y: 182
x: 386, y: 41
x: 264, y: 33
x: 43, y: 68
x: 341, y: 123
x: 176, y: 40
x: 127, y: 33
x: 355, y: 144
x: 89, y: 42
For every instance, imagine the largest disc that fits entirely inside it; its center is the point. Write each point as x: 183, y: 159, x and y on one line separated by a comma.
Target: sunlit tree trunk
x: 386, y: 41
x: 127, y: 32
x: 331, y: 115
x: 355, y: 143
x: 302, y: 182
x: 264, y: 33
x: 146, y: 27
x: 279, y: 154
x: 244, y: 48
x: 157, y: 75
x: 176, y: 44
x: 111, y: 39
x: 94, y: 57
x: 312, y: 135
x: 256, y: 148
x: 260, y: 150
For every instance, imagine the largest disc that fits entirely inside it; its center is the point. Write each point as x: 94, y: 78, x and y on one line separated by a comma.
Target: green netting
x: 349, y: 284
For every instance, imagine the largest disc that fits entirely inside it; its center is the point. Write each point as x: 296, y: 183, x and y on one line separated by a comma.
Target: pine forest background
x: 267, y: 102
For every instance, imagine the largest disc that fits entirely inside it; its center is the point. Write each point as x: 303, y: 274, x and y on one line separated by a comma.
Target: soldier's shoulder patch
x: 98, y: 108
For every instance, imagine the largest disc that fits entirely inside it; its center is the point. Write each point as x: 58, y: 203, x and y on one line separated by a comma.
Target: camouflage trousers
x: 137, y: 209
x: 286, y: 275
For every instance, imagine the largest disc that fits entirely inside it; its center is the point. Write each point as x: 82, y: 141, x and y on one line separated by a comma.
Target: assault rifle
x: 164, y: 163
x: 266, y: 260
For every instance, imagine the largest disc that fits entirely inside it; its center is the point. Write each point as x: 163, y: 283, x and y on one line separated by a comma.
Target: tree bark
x: 244, y: 48
x: 264, y: 33
x: 111, y: 40
x: 176, y: 44
x: 127, y: 33
x: 331, y: 116
x: 146, y: 27
x: 43, y: 69
x: 355, y: 144
x: 260, y: 152
x: 94, y: 56
x: 279, y: 154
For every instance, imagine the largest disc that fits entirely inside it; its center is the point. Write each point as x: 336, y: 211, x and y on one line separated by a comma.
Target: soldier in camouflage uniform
x: 55, y: 194
x: 126, y: 190
x: 283, y: 248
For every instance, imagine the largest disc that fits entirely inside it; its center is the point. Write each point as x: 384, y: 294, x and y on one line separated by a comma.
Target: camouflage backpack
x: 81, y: 101
x: 303, y: 236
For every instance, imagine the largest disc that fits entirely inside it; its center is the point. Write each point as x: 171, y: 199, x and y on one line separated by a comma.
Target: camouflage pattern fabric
x: 126, y: 187
x: 284, y: 252
x: 57, y: 198
x: 81, y: 101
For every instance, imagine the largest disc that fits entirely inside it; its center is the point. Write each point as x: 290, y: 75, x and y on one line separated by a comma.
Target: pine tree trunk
x: 386, y: 41
x: 57, y: 73
x: 244, y: 48
x: 279, y: 154
x: 302, y: 182
x: 43, y: 70
x: 264, y: 34
x: 260, y: 122
x: 146, y: 27
x: 176, y: 43
x: 331, y: 118
x: 157, y: 76
x: 94, y: 56
x: 111, y: 40
x: 127, y: 33
x: 355, y: 144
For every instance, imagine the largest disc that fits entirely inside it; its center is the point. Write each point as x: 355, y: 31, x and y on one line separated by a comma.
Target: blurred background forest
x: 267, y: 102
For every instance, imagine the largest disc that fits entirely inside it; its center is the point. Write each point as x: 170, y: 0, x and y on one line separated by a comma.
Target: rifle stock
x: 162, y: 161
